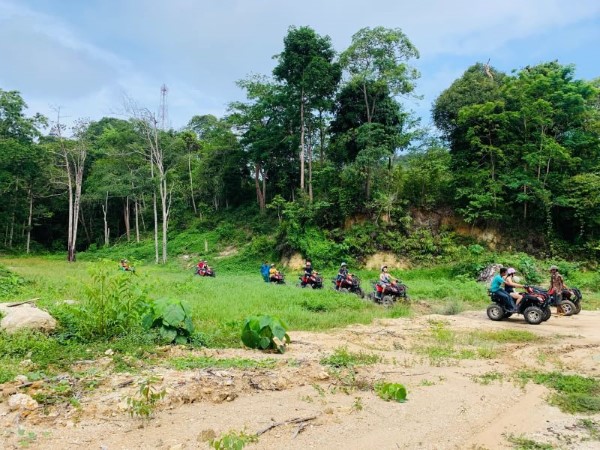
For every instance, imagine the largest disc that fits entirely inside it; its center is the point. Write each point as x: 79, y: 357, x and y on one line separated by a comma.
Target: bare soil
x: 448, y: 407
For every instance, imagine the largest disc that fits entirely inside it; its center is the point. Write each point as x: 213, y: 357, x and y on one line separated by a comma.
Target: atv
x: 351, y: 283
x: 534, y: 306
x: 277, y: 278
x: 569, y: 304
x: 314, y: 281
x: 205, y: 272
x: 388, y: 294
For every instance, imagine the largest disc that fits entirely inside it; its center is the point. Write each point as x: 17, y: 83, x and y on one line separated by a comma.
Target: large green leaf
x: 174, y: 315
x: 168, y: 333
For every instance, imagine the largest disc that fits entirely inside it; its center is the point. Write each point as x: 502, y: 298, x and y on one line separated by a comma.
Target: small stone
x: 109, y: 352
x: 21, y: 379
x: 322, y: 376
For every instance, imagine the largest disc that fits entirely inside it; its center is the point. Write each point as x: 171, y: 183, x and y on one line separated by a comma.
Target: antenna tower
x: 164, y: 110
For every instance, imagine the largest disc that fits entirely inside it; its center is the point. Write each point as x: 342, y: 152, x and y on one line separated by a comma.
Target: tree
x: 311, y: 77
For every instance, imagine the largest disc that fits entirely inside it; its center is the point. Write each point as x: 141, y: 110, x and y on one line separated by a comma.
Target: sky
x: 87, y: 56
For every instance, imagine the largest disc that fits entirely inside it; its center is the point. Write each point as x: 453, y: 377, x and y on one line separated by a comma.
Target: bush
x: 265, y: 332
x: 113, y: 305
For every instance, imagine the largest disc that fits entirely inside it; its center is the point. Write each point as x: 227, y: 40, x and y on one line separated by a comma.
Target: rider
x: 308, y: 270
x: 273, y: 272
x: 385, y: 279
x: 496, y: 288
x: 342, y: 275
x: 202, y: 266
x: 556, y: 283
x: 510, y: 284
x: 125, y: 265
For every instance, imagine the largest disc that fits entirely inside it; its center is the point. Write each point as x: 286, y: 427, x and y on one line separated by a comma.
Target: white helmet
x: 343, y: 264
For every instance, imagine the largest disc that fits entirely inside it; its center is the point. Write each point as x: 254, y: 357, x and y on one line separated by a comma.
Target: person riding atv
x: 342, y: 275
x: 310, y: 277
x: 125, y: 266
x: 204, y: 270
x: 275, y: 276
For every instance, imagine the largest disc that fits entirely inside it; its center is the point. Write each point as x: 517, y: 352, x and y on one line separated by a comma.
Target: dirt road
x: 459, y: 377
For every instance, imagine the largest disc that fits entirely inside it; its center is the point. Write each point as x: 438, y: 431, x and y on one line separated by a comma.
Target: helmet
x: 383, y: 267
x: 272, y: 265
x: 511, y: 270
x: 553, y: 268
x: 343, y: 264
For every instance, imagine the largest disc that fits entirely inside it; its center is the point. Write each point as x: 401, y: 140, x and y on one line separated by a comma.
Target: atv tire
x: 577, y: 307
x: 387, y: 301
x: 567, y: 307
x: 495, y: 312
x: 533, y: 315
x: 547, y: 313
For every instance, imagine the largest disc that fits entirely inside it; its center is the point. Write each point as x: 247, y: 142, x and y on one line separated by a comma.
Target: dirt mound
x: 375, y: 261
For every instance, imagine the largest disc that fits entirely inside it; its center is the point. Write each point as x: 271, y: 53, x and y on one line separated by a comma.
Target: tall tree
x: 311, y: 76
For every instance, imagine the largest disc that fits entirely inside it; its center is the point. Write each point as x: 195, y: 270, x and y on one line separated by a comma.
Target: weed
x: 26, y: 438
x: 506, y: 336
x: 172, y: 318
x: 319, y: 389
x: 357, y: 405
x: 341, y: 357
x: 265, y: 332
x: 148, y: 398
x: 489, y: 377
x: 233, y: 440
x: 593, y: 428
x: 427, y: 383
x: 204, y: 362
x: 523, y: 443
x: 574, y: 393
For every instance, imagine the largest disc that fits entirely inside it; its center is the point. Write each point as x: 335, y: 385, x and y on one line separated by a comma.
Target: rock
x: 322, y: 376
x: 109, y: 352
x: 486, y: 275
x: 21, y: 402
x: 21, y: 379
x: 207, y: 435
x: 25, y: 316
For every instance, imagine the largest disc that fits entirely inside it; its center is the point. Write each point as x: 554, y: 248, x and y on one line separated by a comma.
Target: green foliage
x: 10, y: 283
x: 265, y: 332
x: 507, y: 336
x: 113, y: 305
x: 391, y: 391
x: 144, y: 405
x: 172, y: 318
x: 341, y: 357
x: 523, y: 443
x: 233, y: 440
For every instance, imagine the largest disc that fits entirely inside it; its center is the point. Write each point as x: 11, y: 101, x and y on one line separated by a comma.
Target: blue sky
x: 86, y: 56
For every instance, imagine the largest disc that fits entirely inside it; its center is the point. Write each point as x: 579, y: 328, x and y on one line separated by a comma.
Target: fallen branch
x: 10, y: 305
x: 297, y: 420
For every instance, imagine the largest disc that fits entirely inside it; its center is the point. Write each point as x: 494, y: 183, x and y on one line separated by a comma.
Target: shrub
x: 265, y: 332
x: 172, y: 318
x: 113, y: 305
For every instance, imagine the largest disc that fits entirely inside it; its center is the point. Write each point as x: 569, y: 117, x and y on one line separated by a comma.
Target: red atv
x: 570, y: 303
x: 205, y: 271
x: 388, y: 294
x: 315, y: 281
x: 277, y: 278
x: 350, y: 283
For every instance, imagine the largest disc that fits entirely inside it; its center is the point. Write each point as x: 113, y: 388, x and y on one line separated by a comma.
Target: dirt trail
x: 447, y: 407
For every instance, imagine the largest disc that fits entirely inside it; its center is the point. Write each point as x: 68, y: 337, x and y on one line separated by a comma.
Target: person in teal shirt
x: 496, y: 288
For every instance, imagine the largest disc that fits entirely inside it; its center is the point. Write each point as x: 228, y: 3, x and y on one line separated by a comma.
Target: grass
x: 572, y: 393
x: 341, y: 357
x: 523, y: 443
x: 207, y: 362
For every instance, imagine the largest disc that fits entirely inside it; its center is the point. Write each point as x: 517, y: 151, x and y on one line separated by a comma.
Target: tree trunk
x: 302, y: 140
x: 126, y: 219
x: 260, y: 198
x: 191, y: 183
x: 310, y: 187
x: 29, y: 221
x: 105, y: 213
x: 154, y: 206
x: 137, y: 223
x: 70, y: 254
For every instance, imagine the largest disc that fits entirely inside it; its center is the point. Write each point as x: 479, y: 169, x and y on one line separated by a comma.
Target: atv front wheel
x: 567, y: 307
x: 577, y: 307
x: 387, y: 301
x: 533, y: 315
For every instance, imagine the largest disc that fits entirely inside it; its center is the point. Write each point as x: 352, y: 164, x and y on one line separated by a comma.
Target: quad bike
x: 350, y: 283
x: 277, y: 278
x: 205, y: 271
x: 315, y: 281
x: 534, y: 306
x: 569, y: 304
x: 388, y: 294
